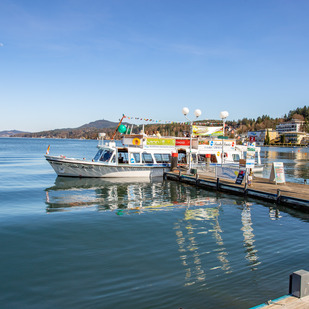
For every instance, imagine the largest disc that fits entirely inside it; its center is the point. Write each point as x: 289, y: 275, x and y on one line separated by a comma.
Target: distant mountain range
x: 9, y: 133
x: 99, y: 124
x: 88, y: 130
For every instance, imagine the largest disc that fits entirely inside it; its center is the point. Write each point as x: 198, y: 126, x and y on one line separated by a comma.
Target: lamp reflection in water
x: 251, y: 251
x: 200, y: 219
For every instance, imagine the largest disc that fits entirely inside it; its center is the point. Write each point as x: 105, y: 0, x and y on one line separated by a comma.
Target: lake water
x: 93, y: 243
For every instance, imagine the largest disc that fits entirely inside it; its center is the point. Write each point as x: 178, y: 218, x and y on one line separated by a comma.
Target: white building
x: 296, y: 137
x: 292, y: 126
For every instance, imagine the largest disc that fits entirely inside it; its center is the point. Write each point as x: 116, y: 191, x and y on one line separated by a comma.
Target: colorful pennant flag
x: 206, y: 123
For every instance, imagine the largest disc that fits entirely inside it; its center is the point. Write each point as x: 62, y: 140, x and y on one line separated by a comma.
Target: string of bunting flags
x: 170, y: 122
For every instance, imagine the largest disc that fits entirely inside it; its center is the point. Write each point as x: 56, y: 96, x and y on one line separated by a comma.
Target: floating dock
x: 289, y: 194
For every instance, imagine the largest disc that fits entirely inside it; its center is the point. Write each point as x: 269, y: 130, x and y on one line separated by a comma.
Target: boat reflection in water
x: 207, y: 231
x: 70, y: 193
x: 122, y: 195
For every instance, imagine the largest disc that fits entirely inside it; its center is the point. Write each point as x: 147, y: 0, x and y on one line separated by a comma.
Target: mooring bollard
x: 299, y: 283
x: 193, y: 171
x: 246, y: 189
x: 174, y: 160
x: 278, y: 196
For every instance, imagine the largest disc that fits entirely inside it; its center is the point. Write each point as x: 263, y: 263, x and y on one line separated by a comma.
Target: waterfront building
x: 291, y: 126
x: 293, y: 132
x: 261, y: 134
x: 296, y: 137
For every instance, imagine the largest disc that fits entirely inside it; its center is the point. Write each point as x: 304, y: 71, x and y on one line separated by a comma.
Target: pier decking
x: 290, y: 194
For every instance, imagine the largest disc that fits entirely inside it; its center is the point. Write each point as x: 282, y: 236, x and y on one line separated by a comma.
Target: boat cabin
x: 137, y: 149
x: 132, y: 155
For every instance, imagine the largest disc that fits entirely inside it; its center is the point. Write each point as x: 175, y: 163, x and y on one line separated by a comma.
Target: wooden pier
x: 290, y: 194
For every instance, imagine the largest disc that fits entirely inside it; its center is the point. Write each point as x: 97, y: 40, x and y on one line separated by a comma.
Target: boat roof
x: 142, y: 142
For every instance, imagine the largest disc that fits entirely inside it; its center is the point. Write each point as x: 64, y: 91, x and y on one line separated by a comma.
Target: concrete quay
x: 287, y: 302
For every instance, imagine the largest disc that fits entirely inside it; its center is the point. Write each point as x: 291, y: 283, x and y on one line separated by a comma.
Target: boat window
x: 182, y: 158
x: 123, y: 157
x: 158, y: 157
x: 236, y: 157
x: 120, y: 158
x: 98, y: 155
x: 147, y: 158
x: 201, y: 158
x: 162, y: 157
x: 135, y: 158
x: 106, y: 155
x: 166, y: 157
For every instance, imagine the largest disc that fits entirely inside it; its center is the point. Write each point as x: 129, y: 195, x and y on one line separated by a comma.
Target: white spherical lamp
x: 224, y: 114
x: 185, y: 111
x: 197, y: 113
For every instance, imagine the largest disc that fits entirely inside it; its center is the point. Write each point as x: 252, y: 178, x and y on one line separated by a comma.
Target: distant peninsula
x: 86, y: 131
x: 9, y: 133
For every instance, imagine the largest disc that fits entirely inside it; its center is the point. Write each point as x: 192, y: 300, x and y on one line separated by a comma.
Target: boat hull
x: 80, y: 168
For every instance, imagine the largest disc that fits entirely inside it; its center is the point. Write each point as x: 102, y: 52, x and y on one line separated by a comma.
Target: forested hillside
x: 91, y: 130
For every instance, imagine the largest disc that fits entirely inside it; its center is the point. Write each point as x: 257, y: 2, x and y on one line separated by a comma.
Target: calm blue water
x: 82, y: 243
x: 295, y: 160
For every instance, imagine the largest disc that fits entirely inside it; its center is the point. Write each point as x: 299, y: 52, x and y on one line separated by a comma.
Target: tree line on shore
x: 179, y: 129
x: 266, y: 122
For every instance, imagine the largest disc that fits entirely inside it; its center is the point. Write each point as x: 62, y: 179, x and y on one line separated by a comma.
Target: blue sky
x: 64, y: 63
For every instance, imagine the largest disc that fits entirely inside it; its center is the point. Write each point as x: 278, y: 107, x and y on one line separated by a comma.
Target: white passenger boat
x: 135, y: 157
x: 210, y: 150
x: 140, y: 156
